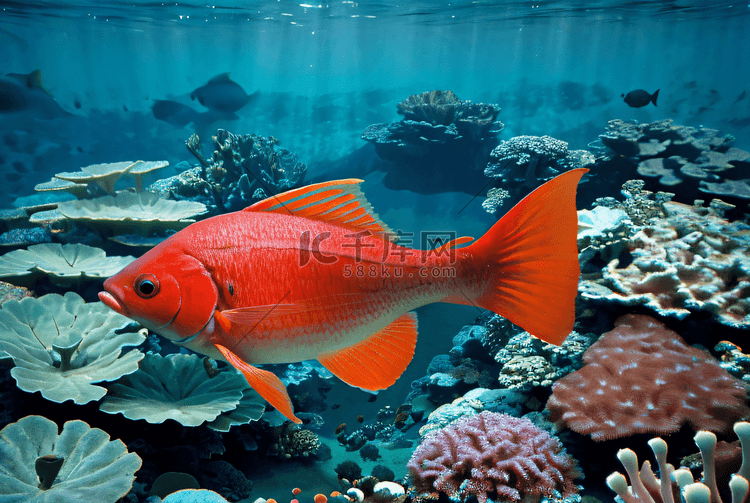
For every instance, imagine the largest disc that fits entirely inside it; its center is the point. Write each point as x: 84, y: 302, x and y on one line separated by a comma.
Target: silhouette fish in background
x: 24, y: 93
x: 640, y: 98
x: 740, y: 97
x: 313, y: 274
x: 173, y: 112
x: 223, y: 94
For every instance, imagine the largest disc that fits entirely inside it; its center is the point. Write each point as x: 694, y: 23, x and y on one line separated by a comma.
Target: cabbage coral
x: 175, y: 387
x: 88, y: 465
x: 61, y: 346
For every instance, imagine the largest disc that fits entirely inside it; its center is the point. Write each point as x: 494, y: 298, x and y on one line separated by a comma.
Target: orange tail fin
x: 533, y: 260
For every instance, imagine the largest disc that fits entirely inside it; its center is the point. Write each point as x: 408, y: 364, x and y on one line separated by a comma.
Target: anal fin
x: 378, y: 361
x: 264, y: 382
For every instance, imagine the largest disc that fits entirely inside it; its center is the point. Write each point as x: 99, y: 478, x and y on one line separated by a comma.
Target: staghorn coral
x: 492, y: 456
x: 693, y: 260
x: 642, y: 378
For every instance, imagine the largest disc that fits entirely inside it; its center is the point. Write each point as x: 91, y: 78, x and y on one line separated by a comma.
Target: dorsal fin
x: 376, y: 362
x: 34, y: 81
x: 339, y: 202
x: 221, y: 79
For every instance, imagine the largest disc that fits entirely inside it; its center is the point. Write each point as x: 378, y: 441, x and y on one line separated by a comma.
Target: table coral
x: 642, y: 378
x: 697, y: 159
x: 692, y: 260
x: 493, y: 456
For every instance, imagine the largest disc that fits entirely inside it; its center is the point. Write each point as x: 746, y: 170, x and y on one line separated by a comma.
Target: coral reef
x: 124, y: 213
x: 438, y: 133
x: 79, y: 465
x: 492, y: 456
x: 645, y: 487
x: 475, y: 401
x: 642, y: 378
x: 16, y: 231
x: 100, y: 179
x: 291, y: 441
x: 244, y: 169
x: 64, y: 264
x: 174, y: 387
x: 692, y: 260
x: 695, y: 159
x: 250, y: 408
x: 523, y: 163
x: 475, y: 120
x: 61, y: 346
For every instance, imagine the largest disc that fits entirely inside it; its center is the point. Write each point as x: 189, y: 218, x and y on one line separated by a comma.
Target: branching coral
x: 245, y: 169
x: 494, y: 456
x: 643, y: 378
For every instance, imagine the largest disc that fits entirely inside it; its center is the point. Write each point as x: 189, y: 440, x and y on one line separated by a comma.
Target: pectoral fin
x: 265, y: 383
x: 379, y: 360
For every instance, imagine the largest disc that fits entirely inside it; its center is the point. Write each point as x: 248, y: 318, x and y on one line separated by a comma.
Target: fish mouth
x: 111, y: 301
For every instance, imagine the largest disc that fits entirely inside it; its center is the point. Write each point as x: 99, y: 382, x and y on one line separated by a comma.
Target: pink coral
x: 642, y: 378
x: 492, y: 455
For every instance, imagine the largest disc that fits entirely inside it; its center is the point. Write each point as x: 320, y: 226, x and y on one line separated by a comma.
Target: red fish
x: 314, y: 274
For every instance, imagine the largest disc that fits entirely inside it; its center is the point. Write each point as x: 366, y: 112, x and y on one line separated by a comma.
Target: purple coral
x: 493, y: 455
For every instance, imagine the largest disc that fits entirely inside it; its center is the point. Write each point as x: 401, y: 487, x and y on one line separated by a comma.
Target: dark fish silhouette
x: 221, y: 93
x: 640, y: 98
x: 740, y: 97
x: 24, y: 93
x: 173, y: 112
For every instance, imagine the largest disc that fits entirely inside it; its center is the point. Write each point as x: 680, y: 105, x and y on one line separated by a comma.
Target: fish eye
x: 146, y: 286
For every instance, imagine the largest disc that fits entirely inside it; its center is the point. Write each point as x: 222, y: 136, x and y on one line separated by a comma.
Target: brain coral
x: 642, y: 378
x: 492, y: 455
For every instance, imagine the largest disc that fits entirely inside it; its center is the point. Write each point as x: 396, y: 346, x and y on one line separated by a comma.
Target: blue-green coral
x: 61, y: 346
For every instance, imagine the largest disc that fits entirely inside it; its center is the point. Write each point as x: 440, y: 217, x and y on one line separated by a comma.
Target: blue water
x: 319, y: 74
